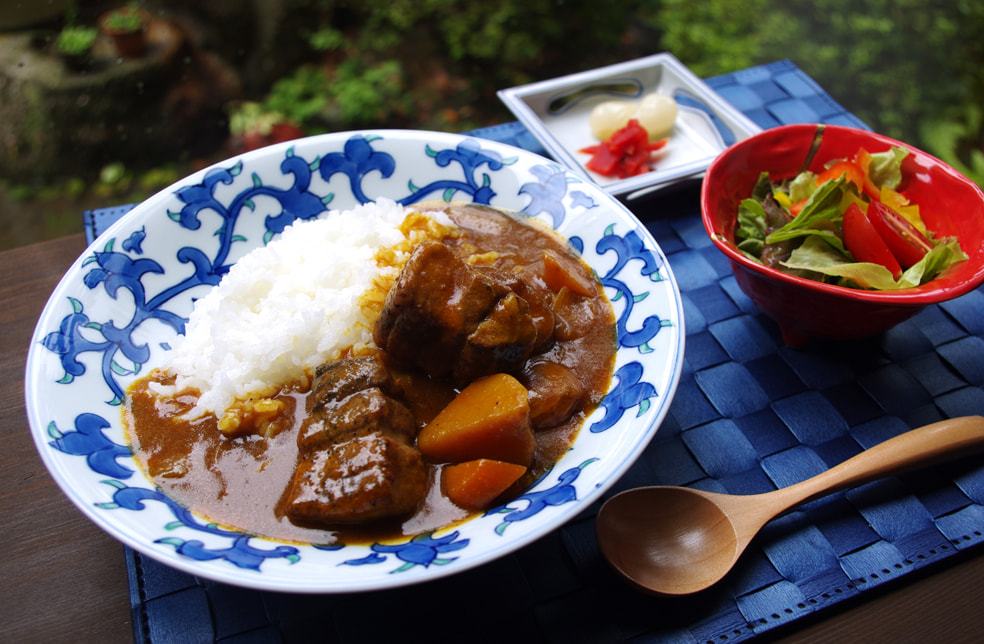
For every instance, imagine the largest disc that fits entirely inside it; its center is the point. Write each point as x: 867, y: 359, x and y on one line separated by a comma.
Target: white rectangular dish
x: 556, y: 112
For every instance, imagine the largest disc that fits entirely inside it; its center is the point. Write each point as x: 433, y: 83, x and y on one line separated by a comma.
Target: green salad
x: 848, y: 225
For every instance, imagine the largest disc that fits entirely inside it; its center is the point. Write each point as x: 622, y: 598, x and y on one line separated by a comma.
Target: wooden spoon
x: 676, y: 540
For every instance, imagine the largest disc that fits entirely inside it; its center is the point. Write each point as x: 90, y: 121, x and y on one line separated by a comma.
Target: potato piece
x: 474, y: 485
x: 490, y: 418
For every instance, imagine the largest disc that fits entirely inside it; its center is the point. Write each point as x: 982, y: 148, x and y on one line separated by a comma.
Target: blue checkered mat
x: 750, y: 415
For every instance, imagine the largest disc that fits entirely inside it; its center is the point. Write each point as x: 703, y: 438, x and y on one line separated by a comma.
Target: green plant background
x: 911, y: 70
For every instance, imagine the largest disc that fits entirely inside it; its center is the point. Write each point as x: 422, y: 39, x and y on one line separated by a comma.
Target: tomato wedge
x: 862, y: 239
x: 907, y: 243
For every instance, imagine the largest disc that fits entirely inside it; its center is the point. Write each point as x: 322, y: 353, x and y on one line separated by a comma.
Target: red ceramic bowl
x: 950, y: 204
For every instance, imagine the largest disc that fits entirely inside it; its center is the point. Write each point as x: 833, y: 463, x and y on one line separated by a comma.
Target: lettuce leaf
x: 817, y: 256
x: 750, y: 229
x: 944, y: 255
x: 762, y: 187
x: 821, y: 216
x: 802, y: 186
x: 885, y: 168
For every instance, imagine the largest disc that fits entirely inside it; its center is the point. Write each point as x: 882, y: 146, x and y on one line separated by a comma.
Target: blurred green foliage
x: 911, y: 69
x: 354, y: 93
x: 75, y: 41
x: 509, y: 38
x: 430, y: 63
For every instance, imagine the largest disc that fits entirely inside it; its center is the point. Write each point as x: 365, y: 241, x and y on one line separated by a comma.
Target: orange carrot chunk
x: 558, y: 273
x: 490, y: 418
x: 474, y: 485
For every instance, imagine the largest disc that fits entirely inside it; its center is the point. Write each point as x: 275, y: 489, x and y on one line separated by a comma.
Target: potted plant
x: 253, y: 126
x: 73, y: 44
x: 126, y: 26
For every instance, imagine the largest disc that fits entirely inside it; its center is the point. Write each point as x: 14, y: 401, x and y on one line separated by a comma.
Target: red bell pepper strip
x: 795, y: 208
x: 863, y: 159
x: 848, y: 169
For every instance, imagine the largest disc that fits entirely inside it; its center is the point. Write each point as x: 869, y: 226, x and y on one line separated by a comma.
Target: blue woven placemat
x: 750, y: 415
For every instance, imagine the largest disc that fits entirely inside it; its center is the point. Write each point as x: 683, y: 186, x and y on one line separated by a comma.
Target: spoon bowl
x: 697, y: 542
x: 676, y: 541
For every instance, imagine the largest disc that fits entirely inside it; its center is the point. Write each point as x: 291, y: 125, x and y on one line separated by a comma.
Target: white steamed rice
x: 285, y: 308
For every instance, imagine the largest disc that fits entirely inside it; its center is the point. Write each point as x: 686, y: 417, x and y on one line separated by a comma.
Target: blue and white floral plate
x: 114, y: 314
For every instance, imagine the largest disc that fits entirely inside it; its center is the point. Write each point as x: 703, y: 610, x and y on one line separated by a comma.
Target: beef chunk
x: 452, y: 320
x: 357, y: 461
x: 340, y: 378
x: 500, y: 341
x: 357, y: 414
x: 537, y: 296
x: 575, y: 315
x: 554, y: 393
x: 366, y: 478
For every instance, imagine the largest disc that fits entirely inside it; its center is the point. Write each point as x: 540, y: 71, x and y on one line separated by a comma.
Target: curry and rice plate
x: 292, y: 405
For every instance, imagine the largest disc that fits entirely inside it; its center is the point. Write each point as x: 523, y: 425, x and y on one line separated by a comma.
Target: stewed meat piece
x: 555, y: 393
x: 337, y: 379
x: 537, y: 297
x: 357, y: 461
x: 360, y: 413
x: 452, y: 320
x: 366, y: 478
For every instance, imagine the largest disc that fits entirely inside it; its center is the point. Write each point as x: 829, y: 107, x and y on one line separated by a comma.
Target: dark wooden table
x: 64, y: 580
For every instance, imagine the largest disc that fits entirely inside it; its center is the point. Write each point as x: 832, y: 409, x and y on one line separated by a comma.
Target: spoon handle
x: 920, y: 447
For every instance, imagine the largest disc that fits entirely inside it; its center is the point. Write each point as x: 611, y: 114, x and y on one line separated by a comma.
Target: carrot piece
x: 473, y: 485
x: 558, y: 273
x: 490, y: 418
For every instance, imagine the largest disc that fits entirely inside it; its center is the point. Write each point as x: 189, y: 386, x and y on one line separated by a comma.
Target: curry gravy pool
x: 245, y: 480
